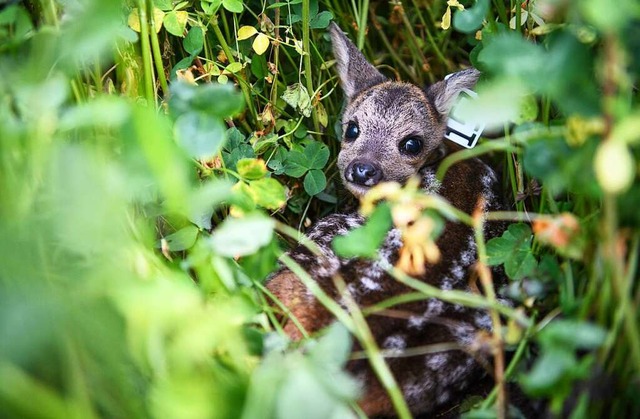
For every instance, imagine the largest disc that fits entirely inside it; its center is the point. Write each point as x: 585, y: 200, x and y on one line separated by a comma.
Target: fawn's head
x: 390, y: 130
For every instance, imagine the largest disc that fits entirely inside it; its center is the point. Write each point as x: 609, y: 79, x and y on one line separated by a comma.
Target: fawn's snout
x: 363, y: 173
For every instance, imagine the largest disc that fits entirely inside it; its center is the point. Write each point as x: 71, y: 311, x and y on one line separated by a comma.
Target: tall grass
x: 140, y: 214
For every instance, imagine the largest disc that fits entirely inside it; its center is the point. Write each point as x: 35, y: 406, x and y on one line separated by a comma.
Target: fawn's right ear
x: 355, y: 72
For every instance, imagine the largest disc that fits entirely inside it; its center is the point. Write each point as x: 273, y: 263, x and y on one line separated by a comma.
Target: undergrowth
x: 157, y: 156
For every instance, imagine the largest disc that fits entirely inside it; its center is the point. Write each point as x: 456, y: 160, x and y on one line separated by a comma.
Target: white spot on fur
x: 395, y: 342
x: 369, y: 284
x: 434, y: 308
x: 483, y: 321
x: 431, y: 185
x: 443, y: 397
x: 437, y: 361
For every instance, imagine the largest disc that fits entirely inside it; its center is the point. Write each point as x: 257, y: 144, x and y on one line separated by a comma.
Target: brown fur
x: 387, y: 113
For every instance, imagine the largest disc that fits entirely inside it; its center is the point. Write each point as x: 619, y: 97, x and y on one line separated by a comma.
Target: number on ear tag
x: 460, y: 131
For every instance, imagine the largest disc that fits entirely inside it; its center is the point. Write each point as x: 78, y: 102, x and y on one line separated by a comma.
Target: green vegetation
x: 140, y: 214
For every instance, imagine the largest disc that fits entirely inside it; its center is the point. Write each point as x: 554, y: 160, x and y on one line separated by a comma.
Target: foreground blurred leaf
x: 182, y: 239
x: 364, y: 241
x: 242, y: 236
x: 470, y: 19
x: 221, y: 101
x: 200, y: 136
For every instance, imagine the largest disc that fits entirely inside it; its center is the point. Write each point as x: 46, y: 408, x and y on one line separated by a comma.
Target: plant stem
x: 502, y: 11
x: 487, y: 147
x: 376, y: 359
x: 157, y: 55
x: 362, y: 24
x: 145, y: 52
x: 487, y: 283
x: 394, y: 54
x: 241, y: 81
x: 324, y: 299
x: 459, y: 297
x: 431, y: 39
x: 307, y: 59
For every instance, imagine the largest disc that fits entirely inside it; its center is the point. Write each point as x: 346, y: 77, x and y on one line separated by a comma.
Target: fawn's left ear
x: 443, y: 94
x: 355, y: 72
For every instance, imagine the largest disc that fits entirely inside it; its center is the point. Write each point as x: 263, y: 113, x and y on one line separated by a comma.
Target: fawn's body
x: 393, y: 131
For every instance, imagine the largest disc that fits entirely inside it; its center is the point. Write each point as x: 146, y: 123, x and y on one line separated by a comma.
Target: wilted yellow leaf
x: 260, y: 44
x: 246, y: 32
x: 134, y: 20
x: 446, y: 19
x: 323, y: 117
x: 158, y: 16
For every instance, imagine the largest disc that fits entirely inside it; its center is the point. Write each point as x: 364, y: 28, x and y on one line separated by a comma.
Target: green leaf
x: 509, y: 54
x: 242, y: 236
x: 194, y: 41
x: 333, y: 348
x: 251, y: 169
x: 315, y: 182
x: 364, y: 241
x: 234, y: 6
x: 239, y: 152
x: 572, y: 334
x: 163, y: 4
x: 182, y: 239
x: 548, y: 371
x: 268, y: 193
x: 204, y: 199
x: 470, y: 19
x: 296, y: 164
x: 513, y: 249
x: 321, y: 20
x: 199, y: 135
x: 317, y: 155
x: 175, y: 22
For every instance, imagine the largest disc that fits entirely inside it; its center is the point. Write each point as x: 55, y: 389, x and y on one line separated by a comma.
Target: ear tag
x: 460, y: 131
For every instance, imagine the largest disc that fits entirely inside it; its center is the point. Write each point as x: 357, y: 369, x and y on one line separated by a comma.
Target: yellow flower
x: 418, y: 248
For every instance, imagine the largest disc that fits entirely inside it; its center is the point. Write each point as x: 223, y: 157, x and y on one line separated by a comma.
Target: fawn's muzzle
x: 363, y: 173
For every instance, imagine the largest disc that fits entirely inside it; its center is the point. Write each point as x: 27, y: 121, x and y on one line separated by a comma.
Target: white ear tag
x: 460, y: 131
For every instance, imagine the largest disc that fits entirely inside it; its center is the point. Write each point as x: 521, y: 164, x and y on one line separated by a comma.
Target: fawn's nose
x: 363, y: 173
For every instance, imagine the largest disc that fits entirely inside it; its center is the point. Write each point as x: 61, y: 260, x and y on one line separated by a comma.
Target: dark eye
x: 411, y: 145
x: 352, y: 131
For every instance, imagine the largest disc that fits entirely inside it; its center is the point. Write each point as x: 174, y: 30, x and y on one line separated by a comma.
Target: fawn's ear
x: 443, y: 94
x: 355, y: 72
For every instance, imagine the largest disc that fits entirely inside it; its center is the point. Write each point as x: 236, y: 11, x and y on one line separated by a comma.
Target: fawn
x: 392, y: 131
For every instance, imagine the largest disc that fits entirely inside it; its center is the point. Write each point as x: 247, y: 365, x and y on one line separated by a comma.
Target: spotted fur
x: 387, y: 112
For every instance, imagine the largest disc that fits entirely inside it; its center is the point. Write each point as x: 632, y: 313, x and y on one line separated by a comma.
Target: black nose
x: 364, y: 173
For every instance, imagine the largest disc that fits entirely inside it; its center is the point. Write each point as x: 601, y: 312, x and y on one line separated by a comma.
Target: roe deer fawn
x: 391, y: 132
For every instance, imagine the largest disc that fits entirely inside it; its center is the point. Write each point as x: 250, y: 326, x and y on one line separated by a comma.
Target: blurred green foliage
x: 151, y: 160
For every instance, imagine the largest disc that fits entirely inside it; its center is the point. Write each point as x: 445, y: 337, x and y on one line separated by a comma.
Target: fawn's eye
x: 352, y: 131
x: 411, y: 145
